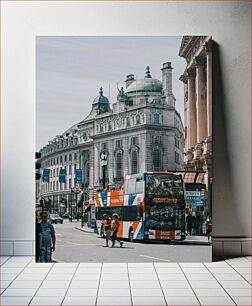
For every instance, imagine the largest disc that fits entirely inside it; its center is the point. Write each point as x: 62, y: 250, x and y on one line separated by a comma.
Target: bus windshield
x: 164, y: 208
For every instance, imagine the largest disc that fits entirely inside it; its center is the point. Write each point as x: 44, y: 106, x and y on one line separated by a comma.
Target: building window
x: 65, y: 158
x: 134, y: 162
x: 176, y: 142
x: 109, y: 126
x: 156, y: 160
x: 137, y: 119
x: 101, y: 128
x: 61, y: 159
x: 70, y: 169
x: 118, y: 143
x: 128, y: 121
x: 176, y: 157
x: 57, y: 185
x: 104, y: 146
x: 69, y: 183
x: 156, y: 119
x: 75, y: 156
x: 134, y: 140
x: 156, y: 139
x: 70, y: 157
x: 119, y: 165
x: 53, y: 186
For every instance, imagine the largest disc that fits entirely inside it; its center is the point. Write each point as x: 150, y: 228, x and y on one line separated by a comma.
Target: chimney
x: 129, y: 79
x: 167, y: 83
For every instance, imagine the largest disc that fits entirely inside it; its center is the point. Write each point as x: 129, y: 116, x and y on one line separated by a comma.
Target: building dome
x: 101, y: 98
x: 148, y: 84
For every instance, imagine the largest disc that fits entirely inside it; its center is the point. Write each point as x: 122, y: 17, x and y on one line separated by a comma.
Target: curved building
x: 141, y: 131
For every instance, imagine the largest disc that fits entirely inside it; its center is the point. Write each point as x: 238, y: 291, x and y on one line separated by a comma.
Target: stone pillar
x: 191, y: 111
x: 200, y: 101
x: 208, y: 49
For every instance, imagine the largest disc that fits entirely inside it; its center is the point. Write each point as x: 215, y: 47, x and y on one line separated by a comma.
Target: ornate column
x: 191, y: 112
x: 208, y: 49
x: 200, y: 101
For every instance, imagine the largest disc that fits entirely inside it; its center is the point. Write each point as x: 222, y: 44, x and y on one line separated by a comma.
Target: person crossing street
x: 114, y: 230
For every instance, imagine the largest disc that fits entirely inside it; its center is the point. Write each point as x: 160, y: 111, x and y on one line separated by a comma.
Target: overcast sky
x: 70, y: 71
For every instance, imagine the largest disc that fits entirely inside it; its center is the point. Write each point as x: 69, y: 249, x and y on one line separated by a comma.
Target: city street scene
x: 124, y: 149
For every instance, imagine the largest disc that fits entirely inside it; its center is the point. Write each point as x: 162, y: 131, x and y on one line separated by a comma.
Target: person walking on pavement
x: 189, y: 221
x: 48, y: 238
x: 209, y: 227
x: 38, y: 238
x: 107, y: 228
x: 114, y: 230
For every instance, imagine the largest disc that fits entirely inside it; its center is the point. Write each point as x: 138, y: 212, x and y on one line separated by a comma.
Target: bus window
x: 139, y: 185
x: 101, y: 211
x: 117, y: 210
x: 130, y: 213
x: 130, y: 187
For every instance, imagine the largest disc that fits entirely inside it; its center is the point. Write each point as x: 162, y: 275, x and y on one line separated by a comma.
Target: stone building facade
x: 197, y: 79
x: 141, y: 131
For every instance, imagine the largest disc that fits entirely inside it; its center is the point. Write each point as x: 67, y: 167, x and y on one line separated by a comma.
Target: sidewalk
x: 85, y: 228
x: 24, y: 282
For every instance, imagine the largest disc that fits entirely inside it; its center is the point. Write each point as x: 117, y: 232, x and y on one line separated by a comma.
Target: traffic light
x: 37, y: 166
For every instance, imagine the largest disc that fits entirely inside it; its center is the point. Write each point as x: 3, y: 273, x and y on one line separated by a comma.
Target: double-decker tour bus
x: 150, y: 205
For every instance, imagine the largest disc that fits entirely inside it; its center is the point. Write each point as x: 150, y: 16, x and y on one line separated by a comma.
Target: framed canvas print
x: 124, y: 148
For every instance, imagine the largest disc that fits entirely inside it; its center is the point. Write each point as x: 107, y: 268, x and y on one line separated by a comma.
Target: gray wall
x: 227, y: 22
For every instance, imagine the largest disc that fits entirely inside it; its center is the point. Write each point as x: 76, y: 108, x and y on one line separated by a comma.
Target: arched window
x: 156, y: 160
x: 134, y: 162
x: 156, y: 119
x: 119, y: 165
x: 137, y: 119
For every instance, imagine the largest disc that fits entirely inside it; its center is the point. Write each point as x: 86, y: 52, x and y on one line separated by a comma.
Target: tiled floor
x: 23, y: 282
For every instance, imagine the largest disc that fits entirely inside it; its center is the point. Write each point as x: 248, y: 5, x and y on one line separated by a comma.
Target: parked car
x: 65, y: 216
x: 55, y: 218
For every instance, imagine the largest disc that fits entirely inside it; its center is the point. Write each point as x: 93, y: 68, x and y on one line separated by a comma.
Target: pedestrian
x: 114, y: 230
x: 209, y: 228
x: 38, y: 238
x: 48, y: 238
x: 103, y: 221
x: 189, y: 221
x: 194, y: 223
x: 107, y: 228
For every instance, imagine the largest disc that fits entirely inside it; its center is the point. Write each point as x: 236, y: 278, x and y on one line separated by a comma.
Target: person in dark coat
x: 38, y: 240
x: 189, y: 223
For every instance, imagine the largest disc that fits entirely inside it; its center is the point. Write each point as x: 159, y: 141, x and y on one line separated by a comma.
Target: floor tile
x: 25, y: 284
x: 51, y: 292
x: 5, y: 283
x: 83, y: 277
x: 120, y: 269
x: 82, y: 292
x: 114, y: 284
x: 229, y: 276
x: 14, y: 264
x: 239, y: 291
x: 138, y: 276
x: 195, y: 270
x: 235, y: 284
x: 90, y: 264
x: 218, y: 264
x: 47, y: 300
x: 241, y: 264
x: 145, y: 284
x: 65, y: 265
x: 21, y: 258
x: 114, y: 292
x: 4, y: 259
x: 15, y: 300
x: 2, y: 290
x: 243, y: 270
x: 8, y: 276
x: 204, y: 284
x: 210, y: 292
x: 85, y: 284
x: 219, y: 270
x: 30, y: 276
x: 146, y: 270
x: 243, y: 300
x: 55, y: 284
x: 10, y: 270
x: 32, y: 270
x: 166, y: 264
x: 88, y: 270
x: 102, y: 300
x: 169, y: 270
x: 247, y: 277
x: 62, y: 271
x: 42, y: 265
x: 237, y: 259
x: 142, y: 300
x: 20, y: 292
x: 166, y: 284
x: 59, y: 277
x: 140, y: 264
x: 172, y: 276
x: 189, y: 300
x: 79, y: 301
x: 146, y: 292
x: 191, y: 265
x: 201, y: 276
x: 178, y: 292
x: 112, y: 277
x: 220, y: 300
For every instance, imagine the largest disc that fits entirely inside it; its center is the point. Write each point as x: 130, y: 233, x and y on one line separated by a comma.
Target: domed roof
x: 147, y: 84
x: 101, y: 98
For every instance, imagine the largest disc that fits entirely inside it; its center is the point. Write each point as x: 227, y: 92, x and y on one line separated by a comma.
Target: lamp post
x: 72, y: 192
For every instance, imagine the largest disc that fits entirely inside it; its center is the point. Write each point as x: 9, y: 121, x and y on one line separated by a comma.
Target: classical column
x: 191, y: 111
x: 208, y: 49
x: 200, y: 101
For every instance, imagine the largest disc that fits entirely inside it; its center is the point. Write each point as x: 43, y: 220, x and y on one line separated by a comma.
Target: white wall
x: 227, y: 22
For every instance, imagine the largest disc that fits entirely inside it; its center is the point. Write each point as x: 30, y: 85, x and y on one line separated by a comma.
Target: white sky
x: 71, y: 69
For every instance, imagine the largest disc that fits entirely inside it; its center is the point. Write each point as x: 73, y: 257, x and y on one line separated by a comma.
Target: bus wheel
x: 131, y: 235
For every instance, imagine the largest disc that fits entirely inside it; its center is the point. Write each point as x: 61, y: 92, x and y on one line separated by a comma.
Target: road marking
x: 73, y: 243
x: 155, y: 258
